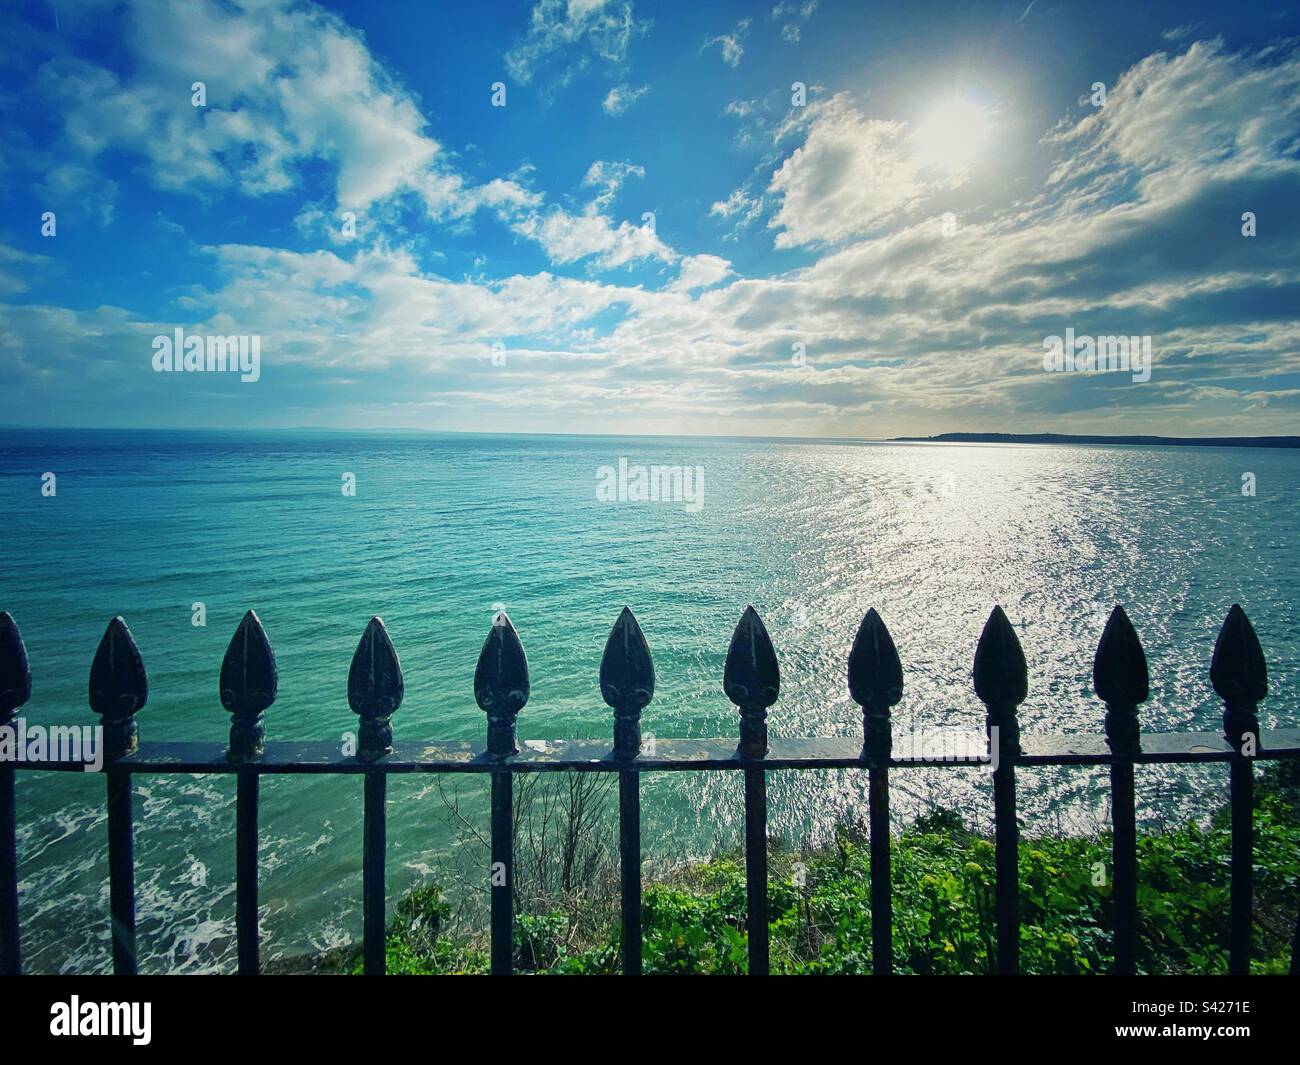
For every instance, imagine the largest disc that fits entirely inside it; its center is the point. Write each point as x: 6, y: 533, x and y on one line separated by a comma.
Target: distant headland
x: 1066, y: 438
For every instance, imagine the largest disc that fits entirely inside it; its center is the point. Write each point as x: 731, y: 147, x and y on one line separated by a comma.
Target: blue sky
x: 653, y: 234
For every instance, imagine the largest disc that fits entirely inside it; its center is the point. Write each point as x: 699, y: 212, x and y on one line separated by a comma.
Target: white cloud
x: 285, y: 85
x: 798, y: 13
x: 17, y: 269
x: 564, y: 36
x: 851, y: 176
x: 740, y: 206
x: 802, y: 11
x: 567, y: 238
x: 608, y: 179
x: 732, y: 43
x: 289, y: 85
x: 621, y: 97
x: 1138, y: 235
x: 1194, y: 109
x: 700, y: 271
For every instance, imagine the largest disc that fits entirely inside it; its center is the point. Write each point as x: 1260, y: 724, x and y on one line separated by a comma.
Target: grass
x: 694, y: 921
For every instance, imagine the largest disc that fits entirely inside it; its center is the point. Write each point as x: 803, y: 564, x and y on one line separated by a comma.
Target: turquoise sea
x: 446, y: 529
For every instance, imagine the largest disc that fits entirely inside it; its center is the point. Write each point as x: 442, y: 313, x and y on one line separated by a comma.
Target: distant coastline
x: 1069, y: 438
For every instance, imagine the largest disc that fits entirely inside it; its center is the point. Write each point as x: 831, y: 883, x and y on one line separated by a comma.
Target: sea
x: 181, y: 532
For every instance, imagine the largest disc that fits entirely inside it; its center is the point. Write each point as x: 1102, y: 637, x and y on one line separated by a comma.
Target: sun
x: 952, y: 134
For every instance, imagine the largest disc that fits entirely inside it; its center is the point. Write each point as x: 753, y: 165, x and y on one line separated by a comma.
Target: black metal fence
x: 751, y: 680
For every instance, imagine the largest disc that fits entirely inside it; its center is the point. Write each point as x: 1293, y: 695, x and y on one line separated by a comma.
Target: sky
x: 813, y: 218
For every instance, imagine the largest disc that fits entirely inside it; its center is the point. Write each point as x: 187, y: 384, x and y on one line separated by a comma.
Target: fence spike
x: 375, y: 689
x: 876, y: 684
x: 751, y: 679
x: 118, y: 687
x: 1121, y: 680
x: 627, y: 681
x: 875, y: 681
x: 248, y: 685
x: 1239, y: 675
x: 501, y: 684
x: 1001, y: 682
x: 1119, y: 668
x: 15, y: 674
x: 1001, y: 676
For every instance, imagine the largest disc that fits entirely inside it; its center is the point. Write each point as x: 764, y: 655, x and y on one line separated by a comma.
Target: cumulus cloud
x: 568, y: 238
x: 590, y: 234
x: 851, y: 176
x: 285, y: 85
x: 292, y: 85
x: 701, y: 271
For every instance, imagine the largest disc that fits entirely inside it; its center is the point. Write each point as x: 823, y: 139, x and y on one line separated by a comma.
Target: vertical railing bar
x: 375, y: 691
x: 374, y: 843
x: 1123, y: 815
x: 119, y: 687
x: 246, y: 930
x: 1240, y: 678
x: 121, y: 871
x: 11, y: 961
x: 751, y: 678
x: 1120, y: 677
x: 629, y: 844
x: 1001, y: 682
x: 247, y: 685
x: 1241, y: 789
x: 501, y: 691
x: 503, y: 864
x: 756, y: 869
x: 1007, y: 861
x: 875, y: 677
x: 882, y: 914
x: 627, y: 684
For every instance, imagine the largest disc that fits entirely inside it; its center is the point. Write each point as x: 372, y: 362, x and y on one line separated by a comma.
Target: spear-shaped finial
x: 1240, y: 677
x: 875, y: 684
x: 501, y: 684
x: 118, y: 687
x: 375, y: 689
x: 248, y: 685
x: 1001, y: 678
x: 751, y: 679
x: 1121, y: 680
x: 627, y: 681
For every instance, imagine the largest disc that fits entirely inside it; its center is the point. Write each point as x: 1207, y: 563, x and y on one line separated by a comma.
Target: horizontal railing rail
x: 751, y: 680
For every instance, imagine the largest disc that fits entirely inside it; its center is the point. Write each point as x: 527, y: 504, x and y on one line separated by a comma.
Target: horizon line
x: 948, y: 437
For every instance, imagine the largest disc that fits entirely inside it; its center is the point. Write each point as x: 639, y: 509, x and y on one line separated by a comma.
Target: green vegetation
x: 943, y: 906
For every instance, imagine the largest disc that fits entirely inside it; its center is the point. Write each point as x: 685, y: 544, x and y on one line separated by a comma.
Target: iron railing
x: 751, y: 680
